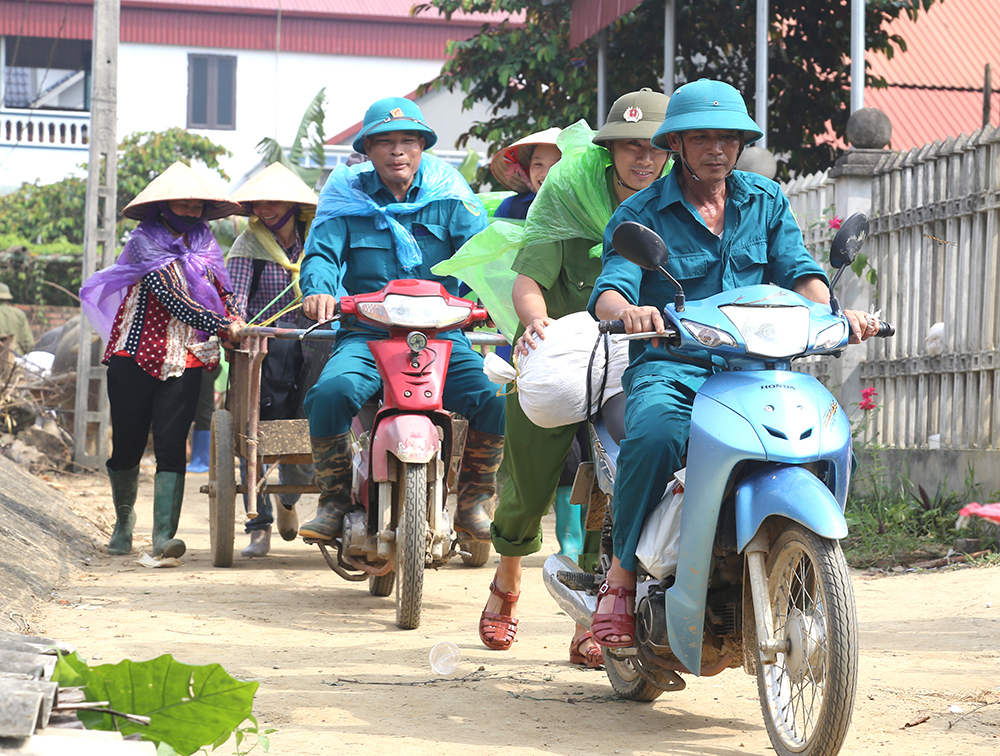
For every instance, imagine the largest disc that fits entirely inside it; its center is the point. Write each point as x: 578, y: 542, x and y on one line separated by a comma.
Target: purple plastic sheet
x: 152, y: 246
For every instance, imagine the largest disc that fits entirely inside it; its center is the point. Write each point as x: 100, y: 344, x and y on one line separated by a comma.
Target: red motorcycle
x: 404, y: 446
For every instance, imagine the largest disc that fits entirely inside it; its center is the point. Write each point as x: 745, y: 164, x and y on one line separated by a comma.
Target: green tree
x: 532, y: 68
x: 45, y: 213
x: 310, y: 139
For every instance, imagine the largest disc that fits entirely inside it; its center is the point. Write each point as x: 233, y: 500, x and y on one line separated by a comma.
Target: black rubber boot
x: 124, y: 488
x: 168, y: 495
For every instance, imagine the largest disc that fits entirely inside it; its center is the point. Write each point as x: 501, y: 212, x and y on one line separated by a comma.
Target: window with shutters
x: 211, y: 92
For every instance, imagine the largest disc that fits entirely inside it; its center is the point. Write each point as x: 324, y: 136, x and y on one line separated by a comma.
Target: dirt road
x: 336, y: 674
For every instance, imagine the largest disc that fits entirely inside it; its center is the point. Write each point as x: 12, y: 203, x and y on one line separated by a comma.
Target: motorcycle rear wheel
x: 807, y: 697
x: 411, y: 544
x: 381, y: 585
x: 626, y: 680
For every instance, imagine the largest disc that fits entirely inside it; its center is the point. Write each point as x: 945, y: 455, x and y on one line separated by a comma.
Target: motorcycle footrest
x: 578, y: 581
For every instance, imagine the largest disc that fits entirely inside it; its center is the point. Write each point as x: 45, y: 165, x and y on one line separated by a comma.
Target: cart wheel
x: 222, y: 489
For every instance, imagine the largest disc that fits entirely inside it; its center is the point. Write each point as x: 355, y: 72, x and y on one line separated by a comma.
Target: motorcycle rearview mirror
x: 845, y: 247
x: 644, y: 247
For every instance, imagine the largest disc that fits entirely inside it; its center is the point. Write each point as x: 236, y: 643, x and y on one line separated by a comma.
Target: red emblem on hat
x: 633, y: 114
x: 396, y: 113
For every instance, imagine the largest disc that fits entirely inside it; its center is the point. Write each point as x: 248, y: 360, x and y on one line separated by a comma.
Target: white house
x: 233, y: 70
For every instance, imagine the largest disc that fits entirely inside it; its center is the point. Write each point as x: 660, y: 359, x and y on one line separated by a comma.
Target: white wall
x: 272, y: 92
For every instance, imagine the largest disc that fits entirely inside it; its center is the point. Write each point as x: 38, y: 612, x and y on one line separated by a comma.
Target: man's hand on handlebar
x: 642, y: 320
x: 863, y: 325
x: 320, y: 307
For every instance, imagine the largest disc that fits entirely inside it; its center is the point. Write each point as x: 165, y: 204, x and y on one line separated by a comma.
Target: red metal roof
x: 920, y: 116
x: 590, y: 16
x: 936, y: 86
x: 946, y: 47
x: 380, y: 28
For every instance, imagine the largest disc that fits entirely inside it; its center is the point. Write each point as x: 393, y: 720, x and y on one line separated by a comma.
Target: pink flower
x: 867, y: 403
x: 835, y: 222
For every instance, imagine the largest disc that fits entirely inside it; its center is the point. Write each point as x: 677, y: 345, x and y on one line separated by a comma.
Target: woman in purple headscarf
x: 161, y: 309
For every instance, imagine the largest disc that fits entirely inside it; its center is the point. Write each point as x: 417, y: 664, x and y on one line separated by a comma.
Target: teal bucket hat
x: 706, y: 104
x: 393, y: 114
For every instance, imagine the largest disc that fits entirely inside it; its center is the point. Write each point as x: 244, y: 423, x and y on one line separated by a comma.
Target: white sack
x: 552, y: 378
x: 657, y: 549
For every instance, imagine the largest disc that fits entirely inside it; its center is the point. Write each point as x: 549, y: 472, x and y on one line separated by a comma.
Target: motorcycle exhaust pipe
x: 578, y: 605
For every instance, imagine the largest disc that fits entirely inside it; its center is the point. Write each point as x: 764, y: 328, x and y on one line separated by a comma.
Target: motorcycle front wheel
x: 808, y: 696
x: 411, y: 543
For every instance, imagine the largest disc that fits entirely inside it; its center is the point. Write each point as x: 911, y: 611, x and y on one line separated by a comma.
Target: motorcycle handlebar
x: 611, y: 326
x: 885, y: 330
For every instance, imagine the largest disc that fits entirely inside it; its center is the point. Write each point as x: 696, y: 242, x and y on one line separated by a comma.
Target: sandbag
x: 552, y: 379
x: 658, y: 546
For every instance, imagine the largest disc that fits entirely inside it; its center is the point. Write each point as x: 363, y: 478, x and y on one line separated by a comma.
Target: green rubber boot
x: 477, y: 483
x: 569, y: 531
x: 168, y: 494
x: 124, y: 488
x: 332, y: 459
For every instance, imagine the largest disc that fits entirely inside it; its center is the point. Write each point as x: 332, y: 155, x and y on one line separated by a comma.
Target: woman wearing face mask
x: 161, y: 309
x: 522, y: 167
x: 556, y: 269
x: 264, y: 265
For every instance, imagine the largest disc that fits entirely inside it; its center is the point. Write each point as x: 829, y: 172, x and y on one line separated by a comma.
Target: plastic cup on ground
x: 445, y: 657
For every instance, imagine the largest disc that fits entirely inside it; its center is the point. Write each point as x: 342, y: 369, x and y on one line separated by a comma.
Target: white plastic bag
x: 552, y: 378
x: 657, y: 549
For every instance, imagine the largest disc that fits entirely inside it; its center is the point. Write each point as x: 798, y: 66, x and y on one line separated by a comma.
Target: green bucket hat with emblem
x: 706, y: 104
x: 393, y: 114
x: 635, y: 115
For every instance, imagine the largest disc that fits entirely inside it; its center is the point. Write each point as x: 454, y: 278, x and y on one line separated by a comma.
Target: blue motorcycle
x: 761, y: 581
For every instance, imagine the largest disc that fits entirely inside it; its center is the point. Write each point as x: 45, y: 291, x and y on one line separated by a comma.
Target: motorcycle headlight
x: 832, y: 337
x: 707, y: 335
x: 771, y: 331
x: 414, y: 312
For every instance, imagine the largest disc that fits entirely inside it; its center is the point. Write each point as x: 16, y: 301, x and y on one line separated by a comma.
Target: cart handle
x: 477, y: 338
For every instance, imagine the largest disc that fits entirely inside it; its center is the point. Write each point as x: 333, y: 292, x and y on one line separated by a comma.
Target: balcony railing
x: 45, y: 128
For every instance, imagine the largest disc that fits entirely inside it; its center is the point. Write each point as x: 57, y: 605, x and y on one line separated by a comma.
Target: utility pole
x: 101, y: 216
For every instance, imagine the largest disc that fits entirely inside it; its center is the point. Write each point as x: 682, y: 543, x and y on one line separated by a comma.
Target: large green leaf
x: 189, y: 707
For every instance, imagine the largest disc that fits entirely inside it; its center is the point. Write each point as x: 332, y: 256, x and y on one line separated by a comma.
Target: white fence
x: 44, y: 129
x: 934, y: 244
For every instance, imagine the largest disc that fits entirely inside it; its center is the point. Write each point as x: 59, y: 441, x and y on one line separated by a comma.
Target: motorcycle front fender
x: 408, y: 438
x: 790, y: 492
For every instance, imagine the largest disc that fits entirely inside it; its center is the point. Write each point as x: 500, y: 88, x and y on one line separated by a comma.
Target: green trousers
x: 534, y: 458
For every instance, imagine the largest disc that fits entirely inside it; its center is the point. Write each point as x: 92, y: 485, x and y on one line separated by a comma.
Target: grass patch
x: 891, y: 521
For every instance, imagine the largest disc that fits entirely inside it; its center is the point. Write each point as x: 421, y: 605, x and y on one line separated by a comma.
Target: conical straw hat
x: 510, y: 165
x: 276, y: 184
x: 179, y: 182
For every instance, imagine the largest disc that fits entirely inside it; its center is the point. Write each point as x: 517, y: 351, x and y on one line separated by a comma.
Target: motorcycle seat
x: 613, y: 416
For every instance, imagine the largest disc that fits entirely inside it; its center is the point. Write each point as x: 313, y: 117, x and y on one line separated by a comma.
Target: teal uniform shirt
x: 761, y: 242
x: 351, y: 254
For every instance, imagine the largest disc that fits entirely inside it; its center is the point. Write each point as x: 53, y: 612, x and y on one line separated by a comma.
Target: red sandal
x: 497, y: 630
x: 593, y: 657
x: 618, y: 622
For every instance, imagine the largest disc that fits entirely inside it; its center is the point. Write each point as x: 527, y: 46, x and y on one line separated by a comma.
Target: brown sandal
x: 497, y: 631
x: 617, y: 622
x: 593, y: 658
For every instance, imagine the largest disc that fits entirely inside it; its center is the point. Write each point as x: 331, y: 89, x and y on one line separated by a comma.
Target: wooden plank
x: 282, y: 437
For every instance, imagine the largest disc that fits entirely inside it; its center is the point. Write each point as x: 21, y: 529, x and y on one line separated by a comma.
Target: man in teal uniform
x: 392, y: 218
x: 724, y: 229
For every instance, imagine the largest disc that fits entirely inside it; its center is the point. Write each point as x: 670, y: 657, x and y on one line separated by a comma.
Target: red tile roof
x: 920, y: 116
